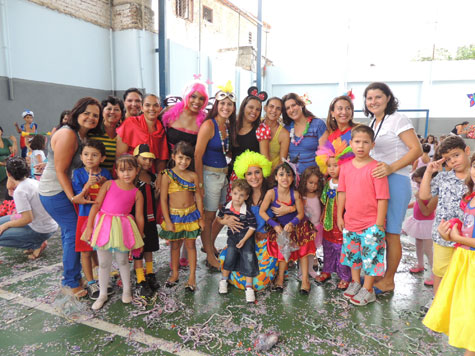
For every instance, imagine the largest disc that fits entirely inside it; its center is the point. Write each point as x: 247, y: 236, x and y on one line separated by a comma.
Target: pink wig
x: 174, y: 113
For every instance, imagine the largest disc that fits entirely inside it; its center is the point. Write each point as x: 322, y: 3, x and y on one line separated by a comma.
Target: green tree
x: 465, y: 52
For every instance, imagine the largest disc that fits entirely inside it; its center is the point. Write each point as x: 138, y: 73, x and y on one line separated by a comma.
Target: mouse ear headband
x: 261, y: 96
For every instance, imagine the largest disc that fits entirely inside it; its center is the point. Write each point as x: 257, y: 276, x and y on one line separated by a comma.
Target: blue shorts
x: 216, y: 187
x: 400, y: 195
x: 364, y: 250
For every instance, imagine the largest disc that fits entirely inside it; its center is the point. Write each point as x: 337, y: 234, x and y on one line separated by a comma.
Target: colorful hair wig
x: 174, y: 113
x: 251, y: 159
x: 337, y: 149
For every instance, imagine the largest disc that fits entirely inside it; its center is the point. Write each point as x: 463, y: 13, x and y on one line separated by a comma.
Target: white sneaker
x: 250, y: 295
x: 223, y: 286
x: 352, y: 290
x: 363, y: 297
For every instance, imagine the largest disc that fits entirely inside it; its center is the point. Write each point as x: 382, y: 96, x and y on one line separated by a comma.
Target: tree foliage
x: 443, y: 54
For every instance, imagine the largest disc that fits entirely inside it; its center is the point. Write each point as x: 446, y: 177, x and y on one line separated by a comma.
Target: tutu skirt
x: 267, y: 268
x: 419, y: 229
x: 304, y: 235
x: 117, y: 232
x: 453, y: 309
x: 185, y: 222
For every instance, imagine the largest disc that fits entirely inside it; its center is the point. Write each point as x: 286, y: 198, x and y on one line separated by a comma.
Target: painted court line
x: 31, y: 274
x: 138, y: 336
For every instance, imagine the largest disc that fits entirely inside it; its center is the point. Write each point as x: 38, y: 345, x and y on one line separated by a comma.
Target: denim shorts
x: 400, y: 195
x: 364, y: 250
x: 216, y: 186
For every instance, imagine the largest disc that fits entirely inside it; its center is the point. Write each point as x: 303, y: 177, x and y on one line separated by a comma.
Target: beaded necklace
x: 224, y: 145
x: 292, y: 132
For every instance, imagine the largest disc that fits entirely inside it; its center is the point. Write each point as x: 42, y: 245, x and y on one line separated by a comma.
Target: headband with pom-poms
x: 260, y: 95
x: 337, y: 149
x: 251, y: 159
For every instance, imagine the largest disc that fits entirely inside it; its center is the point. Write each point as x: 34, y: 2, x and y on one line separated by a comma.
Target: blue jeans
x: 23, y: 237
x: 62, y: 211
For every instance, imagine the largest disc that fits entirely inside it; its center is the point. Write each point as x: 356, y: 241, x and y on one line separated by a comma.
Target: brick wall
x: 126, y: 14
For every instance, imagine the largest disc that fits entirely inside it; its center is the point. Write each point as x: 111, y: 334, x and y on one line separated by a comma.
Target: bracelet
x: 272, y: 222
x: 72, y: 198
x: 295, y: 221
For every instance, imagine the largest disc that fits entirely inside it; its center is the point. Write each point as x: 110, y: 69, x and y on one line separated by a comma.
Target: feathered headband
x: 337, y: 149
x: 251, y: 159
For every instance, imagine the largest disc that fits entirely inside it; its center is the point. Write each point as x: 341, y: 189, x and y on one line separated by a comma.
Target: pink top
x: 418, y: 213
x: 362, y: 194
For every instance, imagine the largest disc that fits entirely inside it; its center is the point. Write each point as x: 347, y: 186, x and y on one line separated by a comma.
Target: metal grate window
x: 184, y: 9
x: 207, y: 14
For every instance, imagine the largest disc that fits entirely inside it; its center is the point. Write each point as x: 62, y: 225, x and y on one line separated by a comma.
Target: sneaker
x: 352, y: 290
x: 223, y: 286
x: 250, y: 295
x: 92, y: 290
x: 425, y: 308
x: 152, y: 281
x: 363, y: 297
x: 144, y: 290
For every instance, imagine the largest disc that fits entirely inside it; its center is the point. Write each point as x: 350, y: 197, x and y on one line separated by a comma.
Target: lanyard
x: 379, y: 128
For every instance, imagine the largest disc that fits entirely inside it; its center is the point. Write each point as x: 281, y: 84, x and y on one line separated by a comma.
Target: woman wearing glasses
x: 211, y: 164
x: 183, y: 119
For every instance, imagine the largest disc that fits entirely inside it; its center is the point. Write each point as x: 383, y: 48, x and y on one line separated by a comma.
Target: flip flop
x: 37, y: 253
x: 377, y: 291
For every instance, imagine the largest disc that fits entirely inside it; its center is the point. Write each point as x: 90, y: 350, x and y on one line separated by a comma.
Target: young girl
x: 146, y: 282
x: 299, y: 229
x: 182, y: 211
x: 453, y: 310
x: 419, y: 226
x: 114, y: 229
x: 329, y: 158
x: 86, y: 182
x: 310, y: 188
x: 423, y: 160
x: 37, y: 146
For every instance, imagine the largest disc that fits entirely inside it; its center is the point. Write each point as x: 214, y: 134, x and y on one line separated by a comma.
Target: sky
x: 363, y: 31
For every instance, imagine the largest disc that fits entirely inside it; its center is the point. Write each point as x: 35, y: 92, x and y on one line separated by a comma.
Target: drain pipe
x: 140, y: 38
x: 111, y: 49
x: 259, y: 46
x: 6, y: 48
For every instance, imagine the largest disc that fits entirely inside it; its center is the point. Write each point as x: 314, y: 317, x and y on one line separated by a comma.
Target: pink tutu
x: 419, y: 229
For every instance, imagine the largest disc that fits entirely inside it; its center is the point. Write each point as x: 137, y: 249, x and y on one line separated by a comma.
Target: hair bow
x: 253, y: 91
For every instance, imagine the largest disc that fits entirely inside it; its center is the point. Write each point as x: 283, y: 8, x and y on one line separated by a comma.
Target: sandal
x: 343, y: 285
x: 278, y: 288
x: 37, y: 253
x: 211, y: 267
x: 171, y: 284
x: 190, y: 287
x: 323, y: 277
x: 79, y: 292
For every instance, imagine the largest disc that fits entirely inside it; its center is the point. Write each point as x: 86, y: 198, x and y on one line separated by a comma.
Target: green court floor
x: 33, y: 321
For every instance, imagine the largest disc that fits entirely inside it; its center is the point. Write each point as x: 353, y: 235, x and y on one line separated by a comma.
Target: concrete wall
x: 441, y: 87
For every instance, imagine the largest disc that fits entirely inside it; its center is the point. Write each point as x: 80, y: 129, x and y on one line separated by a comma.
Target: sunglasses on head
x: 221, y: 95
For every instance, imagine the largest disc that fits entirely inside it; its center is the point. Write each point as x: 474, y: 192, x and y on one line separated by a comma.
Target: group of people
x: 283, y: 188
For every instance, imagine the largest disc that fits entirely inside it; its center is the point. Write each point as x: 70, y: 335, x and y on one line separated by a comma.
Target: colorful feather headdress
x: 337, y: 149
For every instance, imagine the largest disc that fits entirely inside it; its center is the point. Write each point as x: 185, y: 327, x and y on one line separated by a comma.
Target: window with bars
x: 184, y: 9
x: 207, y: 14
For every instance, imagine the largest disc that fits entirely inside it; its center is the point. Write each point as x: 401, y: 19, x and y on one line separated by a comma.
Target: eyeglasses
x: 221, y: 95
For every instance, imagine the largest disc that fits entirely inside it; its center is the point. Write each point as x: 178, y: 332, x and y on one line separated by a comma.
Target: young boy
x: 241, y: 253
x: 86, y: 182
x: 28, y: 126
x: 365, y: 201
x: 147, y: 283
x: 449, y: 187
